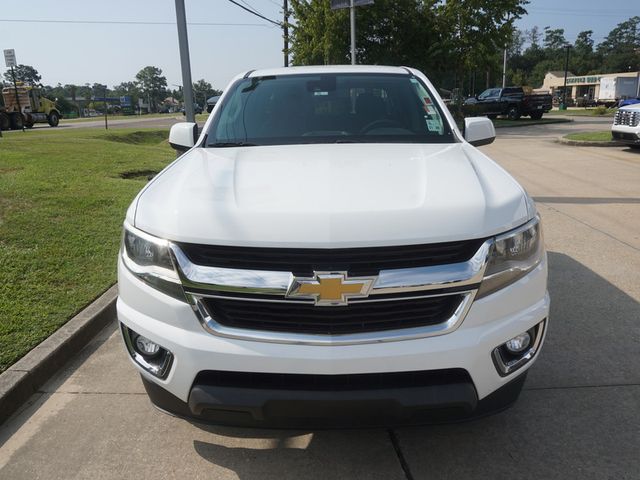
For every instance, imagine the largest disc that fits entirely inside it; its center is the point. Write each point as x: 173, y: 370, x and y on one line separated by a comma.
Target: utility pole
x: 504, y: 68
x: 183, y: 42
x: 352, y: 17
x: 285, y: 26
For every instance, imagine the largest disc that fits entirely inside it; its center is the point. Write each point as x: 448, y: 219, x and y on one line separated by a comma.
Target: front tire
x: 513, y: 113
x: 536, y: 115
x: 17, y: 121
x: 53, y: 119
x: 5, y: 122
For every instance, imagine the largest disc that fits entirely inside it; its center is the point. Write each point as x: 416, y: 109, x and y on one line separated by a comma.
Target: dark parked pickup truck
x: 510, y: 101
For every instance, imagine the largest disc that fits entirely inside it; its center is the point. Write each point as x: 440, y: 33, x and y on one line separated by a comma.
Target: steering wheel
x: 381, y: 123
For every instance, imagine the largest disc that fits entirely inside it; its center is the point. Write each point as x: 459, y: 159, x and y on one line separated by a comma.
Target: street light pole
x: 352, y: 17
x: 183, y: 42
x: 564, y: 88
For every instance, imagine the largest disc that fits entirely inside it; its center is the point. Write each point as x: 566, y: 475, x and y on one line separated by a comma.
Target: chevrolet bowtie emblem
x: 330, y: 288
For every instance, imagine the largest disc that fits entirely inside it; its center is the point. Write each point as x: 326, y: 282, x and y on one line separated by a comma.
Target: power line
x: 126, y: 22
x: 251, y: 7
x: 255, y: 13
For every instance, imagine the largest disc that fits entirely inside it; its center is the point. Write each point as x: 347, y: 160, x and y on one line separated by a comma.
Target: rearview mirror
x: 183, y: 136
x: 479, y: 131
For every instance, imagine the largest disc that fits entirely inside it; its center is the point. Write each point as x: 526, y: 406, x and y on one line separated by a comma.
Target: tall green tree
x: 477, y: 31
x: 320, y: 35
x: 202, y: 90
x: 126, y: 88
x: 25, y: 74
x: 447, y: 40
x: 153, y: 85
x: 620, y: 50
x: 584, y: 59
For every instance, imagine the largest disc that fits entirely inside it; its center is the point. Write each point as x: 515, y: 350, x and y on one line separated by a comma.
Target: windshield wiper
x: 232, y: 144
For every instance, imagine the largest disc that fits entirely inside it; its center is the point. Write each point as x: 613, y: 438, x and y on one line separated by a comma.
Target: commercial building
x: 602, y: 88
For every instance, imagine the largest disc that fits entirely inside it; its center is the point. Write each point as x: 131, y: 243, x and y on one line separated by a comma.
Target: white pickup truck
x: 332, y: 250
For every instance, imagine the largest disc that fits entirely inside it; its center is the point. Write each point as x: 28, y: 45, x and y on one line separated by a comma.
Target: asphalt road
x: 578, y: 416
x: 165, y: 121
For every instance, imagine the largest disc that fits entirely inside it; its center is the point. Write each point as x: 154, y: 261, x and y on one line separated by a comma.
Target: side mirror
x: 183, y: 136
x: 479, y: 131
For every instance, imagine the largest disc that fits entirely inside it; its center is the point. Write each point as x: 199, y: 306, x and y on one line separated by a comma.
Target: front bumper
x: 278, y: 408
x: 490, y: 322
x: 626, y: 134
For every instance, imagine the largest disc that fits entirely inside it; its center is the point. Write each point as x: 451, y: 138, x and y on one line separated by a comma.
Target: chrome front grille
x: 627, y: 117
x: 412, y: 302
x: 357, y: 317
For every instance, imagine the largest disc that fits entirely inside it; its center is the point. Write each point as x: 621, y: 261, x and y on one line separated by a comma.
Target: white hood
x: 337, y: 195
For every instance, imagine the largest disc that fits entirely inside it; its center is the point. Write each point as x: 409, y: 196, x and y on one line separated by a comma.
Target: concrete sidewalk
x: 577, y: 418
x: 94, y: 421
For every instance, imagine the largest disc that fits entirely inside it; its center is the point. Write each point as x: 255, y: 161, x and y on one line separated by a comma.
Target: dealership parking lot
x: 577, y: 417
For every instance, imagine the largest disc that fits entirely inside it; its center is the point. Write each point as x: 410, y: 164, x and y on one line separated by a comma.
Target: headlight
x: 513, y: 255
x: 149, y: 259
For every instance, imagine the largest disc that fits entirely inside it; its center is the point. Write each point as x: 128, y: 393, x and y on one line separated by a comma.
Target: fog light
x: 147, y: 348
x: 518, y: 343
x: 517, y: 351
x: 152, y: 357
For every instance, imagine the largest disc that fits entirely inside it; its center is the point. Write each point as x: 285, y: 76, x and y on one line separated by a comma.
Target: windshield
x: 328, y: 108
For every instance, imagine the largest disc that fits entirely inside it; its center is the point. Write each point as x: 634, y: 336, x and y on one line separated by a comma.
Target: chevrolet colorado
x: 332, y: 250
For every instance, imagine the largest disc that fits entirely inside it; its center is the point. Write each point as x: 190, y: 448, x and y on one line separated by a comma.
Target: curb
x: 550, y: 121
x: 587, y: 143
x: 26, y: 376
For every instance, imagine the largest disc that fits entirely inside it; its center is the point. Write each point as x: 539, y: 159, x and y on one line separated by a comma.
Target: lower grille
x: 357, y: 317
x: 625, y: 136
x: 343, y: 382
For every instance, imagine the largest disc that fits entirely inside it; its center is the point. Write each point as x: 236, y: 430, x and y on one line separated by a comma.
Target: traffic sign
x: 10, y: 58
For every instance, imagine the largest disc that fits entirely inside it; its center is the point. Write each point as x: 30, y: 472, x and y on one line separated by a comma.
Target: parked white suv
x: 332, y: 250
x: 626, y: 125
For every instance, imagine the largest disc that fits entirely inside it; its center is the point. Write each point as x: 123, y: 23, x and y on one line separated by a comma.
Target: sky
x: 224, y: 40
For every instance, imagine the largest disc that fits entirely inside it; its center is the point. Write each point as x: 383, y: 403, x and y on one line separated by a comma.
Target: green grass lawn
x: 62, y: 203
x: 598, y: 136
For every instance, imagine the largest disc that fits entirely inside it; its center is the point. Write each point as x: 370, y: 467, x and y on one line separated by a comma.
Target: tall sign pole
x: 10, y: 61
x: 183, y: 41
x: 351, y: 5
